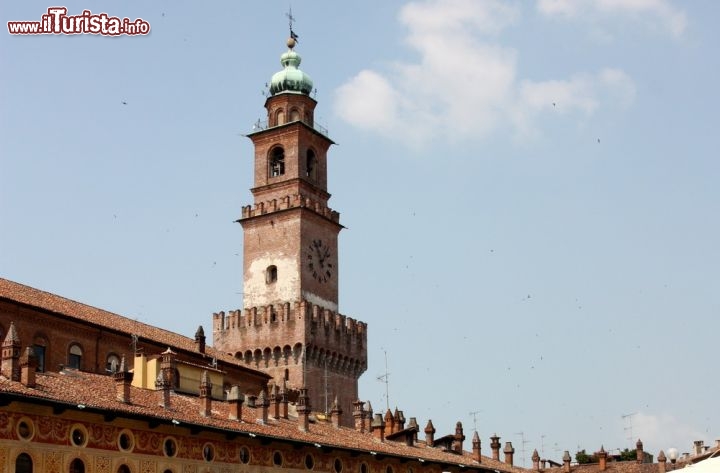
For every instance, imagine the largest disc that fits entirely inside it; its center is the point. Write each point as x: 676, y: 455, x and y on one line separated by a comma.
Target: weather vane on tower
x: 291, y: 20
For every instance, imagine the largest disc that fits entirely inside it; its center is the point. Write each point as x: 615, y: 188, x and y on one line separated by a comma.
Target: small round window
x: 309, y: 461
x: 170, y: 447
x: 208, y: 452
x: 277, y: 459
x: 337, y: 465
x: 244, y: 455
x: 78, y: 435
x: 25, y: 429
x: 126, y: 441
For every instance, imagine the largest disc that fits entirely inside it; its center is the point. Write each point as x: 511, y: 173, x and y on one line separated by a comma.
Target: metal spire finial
x: 291, y: 20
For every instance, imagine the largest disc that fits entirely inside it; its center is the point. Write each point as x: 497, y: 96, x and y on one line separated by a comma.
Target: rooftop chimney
x: 495, y: 447
x: 399, y: 420
x: 566, y: 461
x: 167, y: 366
x: 412, y: 424
x: 162, y: 384
x: 368, y: 416
x: 359, y: 415
x: 378, y: 427
x: 235, y: 399
x: 662, y: 462
x: 430, y: 434
x: 698, y: 447
x: 275, y: 401
x: 28, y: 366
x: 264, y: 406
x: 639, y: 451
x: 283, y: 402
x: 459, y: 438
x: 200, y: 340
x: 336, y: 414
x: 536, y: 460
x: 303, y: 410
x: 477, y: 456
x: 10, y: 365
x: 205, y: 394
x: 123, y: 380
x: 389, y: 423
x: 602, y: 458
x: 509, y: 451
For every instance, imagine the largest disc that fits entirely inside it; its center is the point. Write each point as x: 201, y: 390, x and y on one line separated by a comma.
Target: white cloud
x: 654, y: 12
x: 465, y: 85
x: 664, y: 431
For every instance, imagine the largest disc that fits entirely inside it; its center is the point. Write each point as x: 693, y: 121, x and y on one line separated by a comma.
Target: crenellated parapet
x: 289, y: 202
x: 280, y: 334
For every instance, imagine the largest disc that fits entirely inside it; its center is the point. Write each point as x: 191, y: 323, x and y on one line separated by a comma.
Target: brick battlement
x: 276, y: 336
x: 289, y: 202
x: 335, y: 326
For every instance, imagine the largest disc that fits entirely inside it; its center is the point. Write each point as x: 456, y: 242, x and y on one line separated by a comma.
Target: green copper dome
x: 290, y: 79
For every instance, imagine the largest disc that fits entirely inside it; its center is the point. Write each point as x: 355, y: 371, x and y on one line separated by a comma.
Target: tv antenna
x: 542, y: 445
x: 523, y: 442
x: 629, y: 419
x: 385, y: 378
x: 474, y: 415
x: 134, y: 343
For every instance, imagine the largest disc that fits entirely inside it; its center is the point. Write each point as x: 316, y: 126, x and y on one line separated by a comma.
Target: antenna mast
x: 474, y: 415
x: 629, y: 419
x: 523, y: 442
x: 385, y: 378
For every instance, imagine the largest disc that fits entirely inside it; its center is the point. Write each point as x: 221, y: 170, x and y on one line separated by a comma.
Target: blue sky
x: 530, y: 191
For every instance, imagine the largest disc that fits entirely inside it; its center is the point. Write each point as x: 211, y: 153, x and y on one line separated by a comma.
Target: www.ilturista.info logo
x: 57, y: 21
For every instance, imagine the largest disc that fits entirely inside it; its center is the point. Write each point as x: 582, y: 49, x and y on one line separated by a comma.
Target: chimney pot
x: 566, y: 461
x: 495, y: 447
x: 378, y: 427
x: 602, y: 458
x: 236, y: 401
x: 662, y: 462
x: 509, y: 452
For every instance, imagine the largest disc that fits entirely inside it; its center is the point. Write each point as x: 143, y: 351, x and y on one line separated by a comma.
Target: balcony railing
x: 264, y: 125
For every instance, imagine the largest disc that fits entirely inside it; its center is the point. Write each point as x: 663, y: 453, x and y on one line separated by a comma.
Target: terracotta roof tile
x: 99, y: 392
x: 30, y: 296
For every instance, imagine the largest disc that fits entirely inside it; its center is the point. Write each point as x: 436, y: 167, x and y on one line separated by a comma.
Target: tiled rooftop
x: 70, y: 309
x: 99, y: 392
x: 611, y: 467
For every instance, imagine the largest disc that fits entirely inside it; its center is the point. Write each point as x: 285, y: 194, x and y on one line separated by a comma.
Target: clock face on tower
x: 318, y: 261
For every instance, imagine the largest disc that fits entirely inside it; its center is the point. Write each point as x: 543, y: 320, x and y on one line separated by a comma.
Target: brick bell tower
x: 290, y: 326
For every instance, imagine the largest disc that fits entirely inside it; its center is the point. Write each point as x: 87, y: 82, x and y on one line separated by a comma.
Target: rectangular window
x: 74, y: 361
x: 40, y: 354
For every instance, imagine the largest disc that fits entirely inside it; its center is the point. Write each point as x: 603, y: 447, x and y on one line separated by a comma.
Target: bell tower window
x: 294, y: 115
x: 277, y: 162
x: 311, y: 165
x: 280, y: 117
